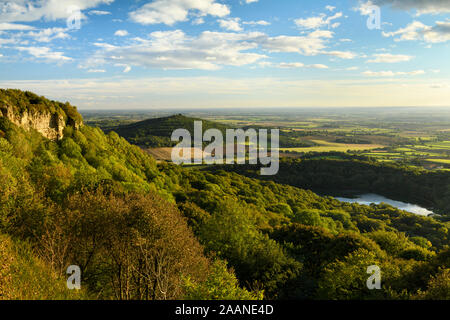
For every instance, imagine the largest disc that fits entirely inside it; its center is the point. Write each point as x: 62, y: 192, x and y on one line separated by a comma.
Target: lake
x: 369, y: 198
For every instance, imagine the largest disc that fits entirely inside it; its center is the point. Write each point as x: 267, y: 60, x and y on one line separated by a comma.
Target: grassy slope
x: 25, y: 277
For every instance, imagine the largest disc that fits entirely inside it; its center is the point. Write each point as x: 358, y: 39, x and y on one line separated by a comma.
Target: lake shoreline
x: 373, y: 198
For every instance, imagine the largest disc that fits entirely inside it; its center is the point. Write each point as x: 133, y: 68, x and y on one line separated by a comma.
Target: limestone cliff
x: 32, y: 112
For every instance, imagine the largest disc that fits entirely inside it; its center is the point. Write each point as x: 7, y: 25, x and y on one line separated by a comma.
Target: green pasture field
x: 344, y: 148
x: 389, y: 141
x: 442, y: 161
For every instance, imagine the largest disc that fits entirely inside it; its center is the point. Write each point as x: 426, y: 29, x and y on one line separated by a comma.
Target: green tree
x: 221, y: 284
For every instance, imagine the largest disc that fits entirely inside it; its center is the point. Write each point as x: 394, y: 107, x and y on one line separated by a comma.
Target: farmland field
x: 405, y: 135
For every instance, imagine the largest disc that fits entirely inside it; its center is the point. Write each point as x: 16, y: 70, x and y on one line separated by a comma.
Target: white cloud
x: 390, y: 58
x: 99, y: 12
x: 309, y: 45
x: 321, y: 34
x: 291, y: 65
x: 7, y: 41
x: 14, y: 26
x: 176, y: 50
x: 209, y: 50
x: 318, y: 22
x: 312, y: 44
x: 364, y: 8
x: 49, y: 34
x: 39, y: 35
x: 410, y: 32
x: 330, y: 8
x: 251, y: 1
x: 318, y: 66
x: 45, y: 53
x: 258, y: 23
x: 50, y: 10
x: 341, y: 54
x: 198, y: 21
x: 121, y: 33
x: 335, y: 25
x: 126, y: 68
x: 170, y: 12
x: 96, y: 71
x: 231, y: 24
x: 419, y: 31
x: 392, y: 73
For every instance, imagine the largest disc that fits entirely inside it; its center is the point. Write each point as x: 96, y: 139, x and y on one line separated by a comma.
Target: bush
x: 221, y: 284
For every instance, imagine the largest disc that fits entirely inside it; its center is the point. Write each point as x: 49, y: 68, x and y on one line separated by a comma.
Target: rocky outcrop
x: 50, y: 125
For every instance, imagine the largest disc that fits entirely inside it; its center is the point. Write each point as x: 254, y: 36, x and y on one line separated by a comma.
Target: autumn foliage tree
x: 128, y: 247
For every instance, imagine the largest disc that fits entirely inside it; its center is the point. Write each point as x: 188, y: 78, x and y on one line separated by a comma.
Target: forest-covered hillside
x: 139, y: 230
x: 157, y: 132
x: 342, y: 174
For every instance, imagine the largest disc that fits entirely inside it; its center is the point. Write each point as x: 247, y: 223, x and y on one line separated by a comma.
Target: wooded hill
x: 344, y: 174
x: 157, y: 132
x: 139, y: 230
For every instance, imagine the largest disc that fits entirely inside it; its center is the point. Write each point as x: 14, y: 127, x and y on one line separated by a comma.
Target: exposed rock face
x: 49, y: 125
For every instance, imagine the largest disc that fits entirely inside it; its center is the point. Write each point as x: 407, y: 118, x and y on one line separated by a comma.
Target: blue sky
x: 229, y: 53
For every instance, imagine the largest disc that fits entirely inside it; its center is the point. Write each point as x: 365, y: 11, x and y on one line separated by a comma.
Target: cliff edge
x: 30, y: 111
